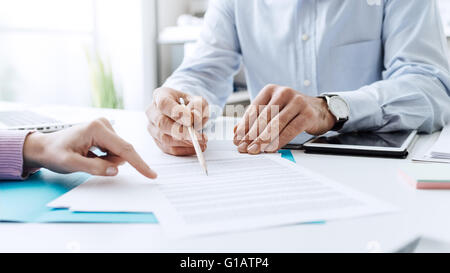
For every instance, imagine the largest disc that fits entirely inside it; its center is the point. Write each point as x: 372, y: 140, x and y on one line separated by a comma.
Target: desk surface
x: 422, y: 212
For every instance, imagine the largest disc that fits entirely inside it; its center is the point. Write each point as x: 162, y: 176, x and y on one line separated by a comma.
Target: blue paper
x: 287, y: 154
x: 26, y: 201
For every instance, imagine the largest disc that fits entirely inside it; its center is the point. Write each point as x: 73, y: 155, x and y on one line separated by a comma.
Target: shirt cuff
x: 11, y: 155
x: 365, y: 112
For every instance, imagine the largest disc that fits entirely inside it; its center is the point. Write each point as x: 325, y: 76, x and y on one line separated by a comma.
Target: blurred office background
x: 105, y: 53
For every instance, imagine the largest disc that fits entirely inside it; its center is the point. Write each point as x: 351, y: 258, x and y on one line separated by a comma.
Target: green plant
x: 104, y: 92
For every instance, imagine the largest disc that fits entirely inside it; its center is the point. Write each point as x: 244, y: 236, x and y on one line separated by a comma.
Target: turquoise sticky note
x: 26, y: 201
x: 287, y: 154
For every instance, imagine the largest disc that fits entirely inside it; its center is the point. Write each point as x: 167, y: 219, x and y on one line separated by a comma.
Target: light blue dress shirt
x: 386, y: 58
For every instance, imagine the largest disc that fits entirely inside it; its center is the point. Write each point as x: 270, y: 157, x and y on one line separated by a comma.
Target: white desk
x: 423, y: 212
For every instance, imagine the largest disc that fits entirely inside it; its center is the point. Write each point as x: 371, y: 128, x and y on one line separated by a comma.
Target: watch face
x: 339, y: 107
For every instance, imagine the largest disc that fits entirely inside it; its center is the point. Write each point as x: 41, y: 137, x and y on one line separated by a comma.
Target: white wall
x: 168, y: 13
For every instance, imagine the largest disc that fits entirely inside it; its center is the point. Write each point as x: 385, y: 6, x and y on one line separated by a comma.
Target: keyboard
x: 21, y: 118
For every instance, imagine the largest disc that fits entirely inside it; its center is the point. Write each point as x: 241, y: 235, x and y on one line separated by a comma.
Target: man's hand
x: 277, y: 116
x: 169, y: 121
x: 67, y: 151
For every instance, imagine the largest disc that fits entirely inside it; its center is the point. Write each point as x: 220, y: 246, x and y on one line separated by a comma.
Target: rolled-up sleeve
x: 415, y: 90
x: 11, y: 155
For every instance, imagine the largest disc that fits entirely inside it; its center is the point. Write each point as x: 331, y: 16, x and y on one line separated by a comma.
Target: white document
x: 127, y: 192
x: 248, y: 192
x: 130, y: 191
x: 241, y: 192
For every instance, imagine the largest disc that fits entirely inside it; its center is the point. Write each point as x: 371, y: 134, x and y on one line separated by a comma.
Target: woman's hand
x: 67, y: 151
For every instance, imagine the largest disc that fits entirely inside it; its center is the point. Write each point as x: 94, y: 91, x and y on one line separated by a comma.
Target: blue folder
x: 26, y: 201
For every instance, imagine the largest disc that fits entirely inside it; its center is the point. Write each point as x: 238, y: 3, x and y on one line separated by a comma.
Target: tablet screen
x: 390, y: 140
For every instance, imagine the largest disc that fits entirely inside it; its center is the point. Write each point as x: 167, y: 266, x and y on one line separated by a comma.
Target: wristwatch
x: 339, y: 108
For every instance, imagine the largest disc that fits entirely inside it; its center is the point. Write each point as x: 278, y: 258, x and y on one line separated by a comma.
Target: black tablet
x: 393, y: 144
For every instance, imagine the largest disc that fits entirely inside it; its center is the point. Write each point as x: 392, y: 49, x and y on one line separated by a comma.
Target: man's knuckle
x: 270, y: 87
x: 277, y: 96
x: 299, y: 100
x: 285, y: 90
x: 163, y: 101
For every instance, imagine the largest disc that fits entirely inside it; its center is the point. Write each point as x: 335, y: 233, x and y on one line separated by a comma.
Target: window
x: 43, y: 47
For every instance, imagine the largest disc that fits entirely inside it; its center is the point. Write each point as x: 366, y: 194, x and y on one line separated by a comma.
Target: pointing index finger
x: 119, y: 147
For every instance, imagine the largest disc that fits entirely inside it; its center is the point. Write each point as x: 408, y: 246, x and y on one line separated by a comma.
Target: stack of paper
x: 441, y: 149
x: 241, y: 192
x: 437, y: 152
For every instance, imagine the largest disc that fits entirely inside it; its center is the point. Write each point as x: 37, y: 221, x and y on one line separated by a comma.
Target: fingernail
x: 153, y: 174
x: 253, y: 149
x: 111, y: 171
x: 243, y: 147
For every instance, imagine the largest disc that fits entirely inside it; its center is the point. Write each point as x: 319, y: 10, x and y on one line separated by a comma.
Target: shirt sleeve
x: 415, y: 89
x: 11, y: 155
x: 209, y: 70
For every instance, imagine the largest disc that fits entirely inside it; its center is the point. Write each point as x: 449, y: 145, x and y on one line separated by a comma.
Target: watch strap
x: 339, y: 124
